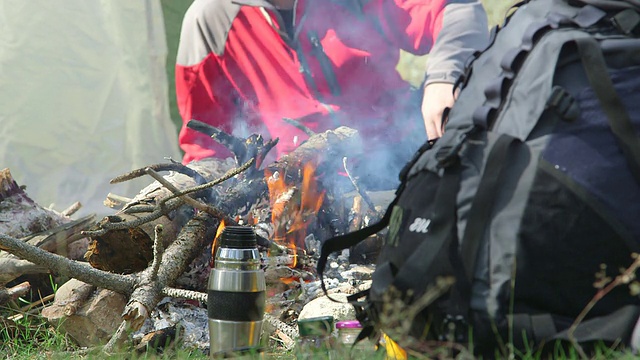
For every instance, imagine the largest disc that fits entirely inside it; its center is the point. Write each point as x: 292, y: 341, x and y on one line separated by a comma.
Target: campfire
x: 168, y: 234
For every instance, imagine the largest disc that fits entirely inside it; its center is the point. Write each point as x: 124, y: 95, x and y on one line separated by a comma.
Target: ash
x: 286, y: 300
x: 190, y: 320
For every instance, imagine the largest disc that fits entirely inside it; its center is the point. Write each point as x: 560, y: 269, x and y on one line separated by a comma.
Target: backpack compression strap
x: 345, y: 241
x: 596, y: 69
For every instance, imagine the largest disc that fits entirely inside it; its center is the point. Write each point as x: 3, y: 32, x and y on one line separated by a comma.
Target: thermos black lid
x: 238, y: 237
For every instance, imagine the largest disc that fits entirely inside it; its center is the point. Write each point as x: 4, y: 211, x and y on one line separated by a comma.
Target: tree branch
x: 68, y: 268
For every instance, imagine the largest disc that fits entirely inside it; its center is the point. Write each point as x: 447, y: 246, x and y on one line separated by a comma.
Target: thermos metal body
x: 236, y: 295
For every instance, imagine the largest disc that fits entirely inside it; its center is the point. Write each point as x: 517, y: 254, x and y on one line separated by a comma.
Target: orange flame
x: 293, y: 209
x: 214, y: 245
x: 295, y: 255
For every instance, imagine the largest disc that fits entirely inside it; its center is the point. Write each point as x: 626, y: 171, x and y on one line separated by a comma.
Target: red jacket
x: 237, y: 69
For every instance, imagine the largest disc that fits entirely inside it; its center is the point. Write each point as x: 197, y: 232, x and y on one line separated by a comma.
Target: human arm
x: 464, y: 31
x: 414, y: 25
x: 200, y: 97
x: 203, y: 92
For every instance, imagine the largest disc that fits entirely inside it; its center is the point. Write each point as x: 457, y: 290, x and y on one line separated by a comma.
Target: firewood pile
x: 142, y: 271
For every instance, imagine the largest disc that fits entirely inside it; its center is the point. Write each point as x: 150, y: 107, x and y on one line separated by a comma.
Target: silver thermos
x: 236, y: 290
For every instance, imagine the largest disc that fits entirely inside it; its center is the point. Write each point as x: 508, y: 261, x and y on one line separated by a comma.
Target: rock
x: 89, y: 317
x: 323, y: 306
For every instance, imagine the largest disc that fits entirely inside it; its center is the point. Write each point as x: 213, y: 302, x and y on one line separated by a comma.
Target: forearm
x: 464, y: 31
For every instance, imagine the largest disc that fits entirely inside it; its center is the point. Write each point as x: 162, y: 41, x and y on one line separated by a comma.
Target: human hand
x: 436, y: 97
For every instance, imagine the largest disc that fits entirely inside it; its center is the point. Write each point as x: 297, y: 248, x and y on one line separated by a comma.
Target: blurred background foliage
x: 410, y: 67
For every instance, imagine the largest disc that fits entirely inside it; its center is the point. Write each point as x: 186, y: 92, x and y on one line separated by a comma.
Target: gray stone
x: 323, y: 306
x: 93, y: 320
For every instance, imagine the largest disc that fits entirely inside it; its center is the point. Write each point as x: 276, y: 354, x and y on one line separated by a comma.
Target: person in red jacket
x: 245, y: 65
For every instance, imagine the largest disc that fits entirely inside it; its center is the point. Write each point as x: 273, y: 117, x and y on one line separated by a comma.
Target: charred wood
x: 299, y: 125
x: 157, y: 340
x: 253, y: 147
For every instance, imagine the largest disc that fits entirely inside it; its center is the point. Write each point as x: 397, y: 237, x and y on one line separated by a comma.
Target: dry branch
x: 173, y: 166
x: 356, y: 185
x: 65, y: 267
x: 147, y: 288
x: 12, y: 293
x: 115, y: 236
x: 54, y: 240
x: 19, y: 214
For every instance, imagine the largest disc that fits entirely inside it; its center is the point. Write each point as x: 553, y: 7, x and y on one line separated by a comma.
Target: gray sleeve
x: 464, y: 30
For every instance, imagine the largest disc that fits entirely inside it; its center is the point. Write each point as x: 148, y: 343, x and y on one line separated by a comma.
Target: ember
x: 214, y: 243
x: 293, y: 209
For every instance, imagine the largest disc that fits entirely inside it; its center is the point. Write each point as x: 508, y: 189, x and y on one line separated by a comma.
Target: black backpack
x: 506, y: 228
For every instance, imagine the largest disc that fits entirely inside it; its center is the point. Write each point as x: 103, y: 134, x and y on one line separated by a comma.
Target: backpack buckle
x: 447, y: 155
x: 455, y: 328
x: 627, y: 21
x: 563, y: 104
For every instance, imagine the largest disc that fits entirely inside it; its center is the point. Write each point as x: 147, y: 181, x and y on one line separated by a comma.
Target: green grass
x: 30, y: 337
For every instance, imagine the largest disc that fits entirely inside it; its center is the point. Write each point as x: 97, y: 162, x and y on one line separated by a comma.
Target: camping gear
x: 505, y: 228
x: 236, y: 293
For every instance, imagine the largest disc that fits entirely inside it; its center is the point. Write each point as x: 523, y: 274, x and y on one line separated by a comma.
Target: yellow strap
x: 394, y: 351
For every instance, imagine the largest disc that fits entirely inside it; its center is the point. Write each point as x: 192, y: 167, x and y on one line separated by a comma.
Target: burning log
x: 127, y: 249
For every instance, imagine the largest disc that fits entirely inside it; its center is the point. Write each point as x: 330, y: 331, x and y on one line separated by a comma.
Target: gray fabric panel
x: 205, y: 29
x: 508, y: 210
x: 464, y: 30
x: 496, y: 257
x: 536, y: 77
x: 473, y: 95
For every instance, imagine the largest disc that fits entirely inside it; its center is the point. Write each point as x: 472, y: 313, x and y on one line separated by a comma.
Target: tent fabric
x: 83, y: 97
